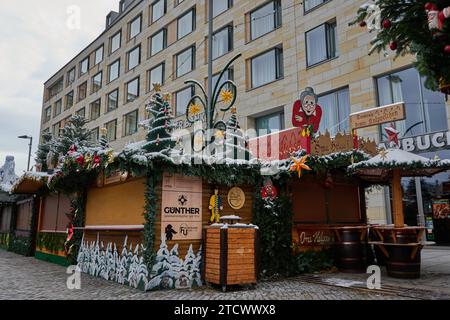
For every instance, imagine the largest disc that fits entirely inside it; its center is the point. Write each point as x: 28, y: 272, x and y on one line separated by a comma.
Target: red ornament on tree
x: 387, y: 24
x: 97, y: 161
x: 393, y: 46
x: 80, y: 159
x: 362, y: 24
x: 447, y: 49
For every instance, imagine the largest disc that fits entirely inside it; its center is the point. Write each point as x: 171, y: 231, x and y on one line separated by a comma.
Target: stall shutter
x: 49, y: 216
x: 309, y: 202
x: 344, y: 204
x: 24, y: 213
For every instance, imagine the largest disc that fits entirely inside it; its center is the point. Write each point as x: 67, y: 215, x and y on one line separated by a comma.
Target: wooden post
x: 397, y: 200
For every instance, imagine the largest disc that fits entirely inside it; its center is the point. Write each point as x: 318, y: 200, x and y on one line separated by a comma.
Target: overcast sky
x: 37, y: 38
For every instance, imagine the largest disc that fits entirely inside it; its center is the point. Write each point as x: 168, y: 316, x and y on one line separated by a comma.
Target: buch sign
x: 377, y: 116
x: 181, y: 207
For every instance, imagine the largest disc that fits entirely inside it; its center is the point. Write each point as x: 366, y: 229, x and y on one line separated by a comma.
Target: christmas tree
x: 43, y: 149
x: 420, y: 28
x: 103, y: 140
x: 159, y: 138
x: 235, y: 142
x: 73, y: 134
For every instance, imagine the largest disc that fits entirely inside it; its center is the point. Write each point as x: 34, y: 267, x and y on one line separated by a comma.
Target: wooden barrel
x: 404, y: 261
x: 350, y: 250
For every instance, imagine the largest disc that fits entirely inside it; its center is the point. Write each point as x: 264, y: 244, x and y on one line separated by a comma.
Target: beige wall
x: 353, y: 68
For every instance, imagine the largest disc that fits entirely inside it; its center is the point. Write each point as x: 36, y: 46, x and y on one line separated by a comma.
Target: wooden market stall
x: 7, y: 203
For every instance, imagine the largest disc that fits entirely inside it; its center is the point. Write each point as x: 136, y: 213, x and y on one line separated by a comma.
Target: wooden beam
x: 397, y: 200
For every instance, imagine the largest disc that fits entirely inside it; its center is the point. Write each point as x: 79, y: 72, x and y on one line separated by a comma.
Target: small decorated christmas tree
x: 73, y: 134
x: 43, y: 150
x: 159, y: 137
x: 235, y: 142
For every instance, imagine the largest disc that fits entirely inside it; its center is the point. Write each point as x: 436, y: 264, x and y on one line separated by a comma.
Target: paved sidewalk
x: 28, y: 278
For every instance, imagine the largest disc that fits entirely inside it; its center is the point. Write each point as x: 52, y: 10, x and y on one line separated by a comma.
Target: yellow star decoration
x: 233, y: 110
x: 194, y: 109
x: 157, y: 87
x: 219, y: 134
x: 110, y: 155
x: 167, y: 97
x: 383, y: 154
x: 226, y: 95
x: 300, y: 165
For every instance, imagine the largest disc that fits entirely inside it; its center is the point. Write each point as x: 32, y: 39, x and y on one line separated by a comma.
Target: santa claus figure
x: 307, y: 113
x: 436, y: 18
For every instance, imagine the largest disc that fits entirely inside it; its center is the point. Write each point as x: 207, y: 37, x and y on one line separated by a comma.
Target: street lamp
x: 29, y: 151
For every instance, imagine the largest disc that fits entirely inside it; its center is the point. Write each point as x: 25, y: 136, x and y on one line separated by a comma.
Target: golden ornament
x: 226, y: 95
x: 300, y: 165
x: 103, y: 131
x: 383, y: 154
x: 233, y: 110
x: 219, y: 134
x: 157, y: 87
x: 194, y: 109
x: 167, y: 97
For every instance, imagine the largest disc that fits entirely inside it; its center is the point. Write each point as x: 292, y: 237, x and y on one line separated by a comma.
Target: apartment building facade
x: 286, y: 45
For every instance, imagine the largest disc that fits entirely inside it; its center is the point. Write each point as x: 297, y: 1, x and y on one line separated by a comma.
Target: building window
x: 81, y: 113
x: 82, y: 91
x: 182, y: 98
x: 69, y: 100
x: 134, y: 57
x: 311, y: 4
x: 56, y: 129
x: 56, y: 88
x: 220, y: 6
x: 135, y: 27
x: 95, y: 109
x: 425, y: 109
x: 113, y: 101
x: 116, y: 42
x: 270, y: 123
x: 71, y: 76
x: 111, y: 130
x: 58, y: 105
x: 98, y: 55
x: 131, y: 122
x: 158, y: 41
x: 265, y: 19
x: 114, y: 70
x: 222, y: 41
x: 156, y: 75
x: 185, y: 61
x: 132, y: 90
x: 335, y: 111
x: 94, y: 135
x: 47, y: 114
x: 84, y: 66
x: 321, y: 43
x: 267, y: 67
x: 186, y: 24
x: 97, y: 82
x: 159, y: 9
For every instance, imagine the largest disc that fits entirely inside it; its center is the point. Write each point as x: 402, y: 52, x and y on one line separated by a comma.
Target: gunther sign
x: 425, y: 143
x: 181, y: 209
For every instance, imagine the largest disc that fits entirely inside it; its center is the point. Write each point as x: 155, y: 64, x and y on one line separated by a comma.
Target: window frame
x: 164, y: 31
x: 230, y: 37
x: 152, y: 20
x: 313, y: 8
x: 193, y: 53
x: 176, y: 99
x: 108, y: 100
x: 81, y: 66
x: 281, y: 117
x: 119, y: 33
x: 125, y: 123
x: 97, y: 133
x: 138, y: 47
x: 109, y: 71
x: 138, y: 89
x: 59, y: 101
x: 278, y: 18
x: 279, y: 65
x: 66, y: 105
x: 115, y: 130
x: 47, y: 115
x: 149, y: 72
x: 99, y: 100
x: 193, y: 21
x: 229, y: 6
x: 327, y: 42
x: 102, y: 47
x: 93, y: 88
x: 68, y: 82
x: 85, y: 84
x: 130, y: 37
x: 79, y: 111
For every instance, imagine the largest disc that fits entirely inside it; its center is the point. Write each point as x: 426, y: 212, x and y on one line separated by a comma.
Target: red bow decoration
x: 73, y: 148
x: 70, y: 232
x: 80, y: 159
x: 97, y: 161
x: 392, y: 135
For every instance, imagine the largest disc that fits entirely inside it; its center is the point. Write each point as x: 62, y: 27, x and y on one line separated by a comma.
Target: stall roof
x: 380, y: 167
x: 30, y: 183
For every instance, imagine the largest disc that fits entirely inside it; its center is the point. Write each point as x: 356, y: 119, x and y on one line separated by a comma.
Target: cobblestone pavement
x: 29, y: 278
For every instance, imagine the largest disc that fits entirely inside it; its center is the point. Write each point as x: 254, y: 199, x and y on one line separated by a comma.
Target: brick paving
x: 29, y: 278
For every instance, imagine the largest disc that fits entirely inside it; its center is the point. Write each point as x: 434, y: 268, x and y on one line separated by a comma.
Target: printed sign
x: 425, y: 143
x: 441, y: 208
x: 181, y: 207
x: 367, y: 118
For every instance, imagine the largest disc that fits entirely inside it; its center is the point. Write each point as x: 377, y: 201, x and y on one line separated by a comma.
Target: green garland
x: 4, y: 240
x: 150, y: 217
x: 51, y: 241
x: 20, y: 245
x: 78, y: 216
